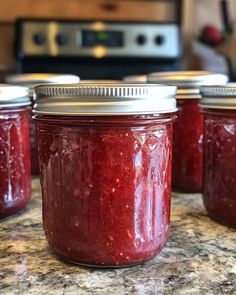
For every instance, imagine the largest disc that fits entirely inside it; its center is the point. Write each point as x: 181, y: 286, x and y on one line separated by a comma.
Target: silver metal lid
x: 99, y: 81
x: 32, y: 80
x: 188, y: 82
x: 13, y: 96
x: 104, y: 99
x: 135, y: 79
x: 219, y: 96
x: 40, y: 78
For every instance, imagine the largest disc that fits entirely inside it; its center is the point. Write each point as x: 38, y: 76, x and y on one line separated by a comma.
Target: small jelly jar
x: 219, y: 185
x: 188, y: 128
x: 30, y: 81
x: 105, y: 155
x: 15, y: 182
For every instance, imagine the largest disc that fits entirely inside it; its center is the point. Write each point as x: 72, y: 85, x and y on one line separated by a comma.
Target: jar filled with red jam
x: 219, y: 185
x: 105, y: 155
x: 188, y: 128
x: 30, y: 81
x: 15, y: 182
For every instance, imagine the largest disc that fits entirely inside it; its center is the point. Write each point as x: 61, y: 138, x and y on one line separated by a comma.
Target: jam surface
x: 15, y: 182
x: 106, y: 187
x: 187, y: 147
x: 219, y: 193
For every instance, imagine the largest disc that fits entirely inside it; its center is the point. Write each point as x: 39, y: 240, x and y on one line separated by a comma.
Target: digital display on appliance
x: 104, y: 38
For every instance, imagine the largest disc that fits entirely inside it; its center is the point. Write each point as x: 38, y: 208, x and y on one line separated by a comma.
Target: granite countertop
x: 200, y: 258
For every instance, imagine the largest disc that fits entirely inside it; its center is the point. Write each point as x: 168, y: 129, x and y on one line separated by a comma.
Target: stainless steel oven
x: 97, y: 49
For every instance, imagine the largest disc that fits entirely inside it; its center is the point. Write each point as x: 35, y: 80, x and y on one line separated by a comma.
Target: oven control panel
x: 97, y: 39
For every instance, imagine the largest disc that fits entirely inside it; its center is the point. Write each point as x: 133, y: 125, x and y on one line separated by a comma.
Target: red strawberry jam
x: 106, y: 179
x: 15, y: 182
x: 188, y: 129
x: 187, y: 146
x: 31, y: 80
x: 219, y: 189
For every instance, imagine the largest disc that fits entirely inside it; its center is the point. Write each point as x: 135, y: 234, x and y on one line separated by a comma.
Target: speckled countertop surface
x: 200, y: 258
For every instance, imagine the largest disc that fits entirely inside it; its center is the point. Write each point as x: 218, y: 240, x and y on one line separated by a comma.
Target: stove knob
x: 62, y: 39
x: 39, y: 38
x: 141, y: 39
x: 159, y: 40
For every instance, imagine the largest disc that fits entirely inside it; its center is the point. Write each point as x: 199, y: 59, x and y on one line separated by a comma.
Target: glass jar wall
x: 15, y: 182
x: 105, y: 162
x: 188, y: 128
x: 30, y: 81
x: 219, y: 189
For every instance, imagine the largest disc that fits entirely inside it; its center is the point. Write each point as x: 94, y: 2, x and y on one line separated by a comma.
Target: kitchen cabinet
x: 90, y: 9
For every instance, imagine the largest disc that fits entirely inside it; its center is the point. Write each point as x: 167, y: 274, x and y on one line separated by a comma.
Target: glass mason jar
x: 30, y: 81
x: 15, y: 182
x: 188, y: 128
x: 219, y: 185
x: 105, y: 167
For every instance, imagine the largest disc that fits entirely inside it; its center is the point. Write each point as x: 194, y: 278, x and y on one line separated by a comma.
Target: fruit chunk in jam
x: 219, y: 193
x: 106, y: 184
x: 15, y: 182
x: 187, y: 147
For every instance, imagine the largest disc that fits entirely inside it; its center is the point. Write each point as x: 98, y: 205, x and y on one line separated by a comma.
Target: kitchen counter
x: 200, y: 258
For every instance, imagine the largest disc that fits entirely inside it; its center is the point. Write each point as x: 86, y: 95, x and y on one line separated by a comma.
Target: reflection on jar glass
x: 30, y: 81
x: 188, y: 128
x: 15, y: 182
x: 105, y: 162
x: 219, y: 191
x: 139, y: 79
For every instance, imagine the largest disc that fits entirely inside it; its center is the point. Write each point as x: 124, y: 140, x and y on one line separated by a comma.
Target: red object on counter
x: 106, y: 183
x: 212, y: 36
x: 219, y: 189
x: 15, y: 181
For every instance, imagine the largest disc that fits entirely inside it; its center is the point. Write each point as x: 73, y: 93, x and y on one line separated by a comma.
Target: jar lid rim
x: 11, y: 96
x: 33, y: 79
x: 100, y: 81
x: 228, y: 89
x: 219, y: 96
x: 135, y: 79
x: 104, y: 99
x: 188, y: 79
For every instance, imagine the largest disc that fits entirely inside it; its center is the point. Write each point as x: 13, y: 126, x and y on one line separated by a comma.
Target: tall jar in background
x: 15, y: 181
x: 188, y: 128
x: 219, y: 185
x: 30, y: 81
x: 105, y: 155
